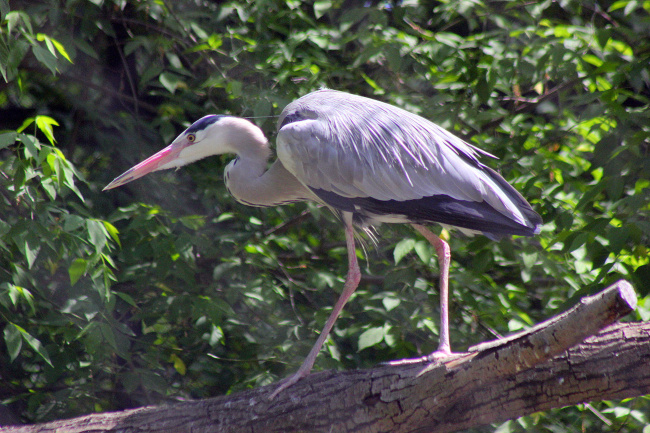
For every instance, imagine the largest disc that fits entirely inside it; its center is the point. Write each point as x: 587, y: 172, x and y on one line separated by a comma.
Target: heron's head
x: 210, y: 135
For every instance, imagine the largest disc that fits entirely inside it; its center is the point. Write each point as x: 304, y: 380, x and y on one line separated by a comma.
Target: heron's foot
x: 290, y: 381
x: 441, y: 354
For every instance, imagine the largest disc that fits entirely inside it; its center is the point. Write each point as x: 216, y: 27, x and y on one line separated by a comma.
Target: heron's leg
x: 351, y: 283
x: 444, y: 257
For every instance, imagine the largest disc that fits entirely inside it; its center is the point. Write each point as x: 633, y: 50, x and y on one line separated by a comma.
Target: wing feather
x: 357, y: 147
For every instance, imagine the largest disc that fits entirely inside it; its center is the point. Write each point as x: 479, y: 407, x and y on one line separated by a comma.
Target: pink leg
x: 351, y: 283
x: 444, y: 257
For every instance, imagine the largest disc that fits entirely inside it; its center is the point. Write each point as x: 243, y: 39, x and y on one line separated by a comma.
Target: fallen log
x: 575, y: 357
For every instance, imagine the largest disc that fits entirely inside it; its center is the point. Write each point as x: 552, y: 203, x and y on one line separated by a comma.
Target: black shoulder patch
x: 203, y: 123
x: 290, y: 118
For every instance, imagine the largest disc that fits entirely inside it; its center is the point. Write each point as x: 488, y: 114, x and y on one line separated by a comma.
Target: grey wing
x: 356, y: 147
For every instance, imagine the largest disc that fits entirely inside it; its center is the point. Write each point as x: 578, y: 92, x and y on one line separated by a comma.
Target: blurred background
x: 167, y: 289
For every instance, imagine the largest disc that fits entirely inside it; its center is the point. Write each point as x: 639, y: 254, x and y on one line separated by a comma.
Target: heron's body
x: 407, y: 170
x: 385, y: 164
x: 370, y: 162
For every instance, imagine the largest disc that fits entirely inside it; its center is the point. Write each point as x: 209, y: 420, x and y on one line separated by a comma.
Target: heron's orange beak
x: 160, y: 161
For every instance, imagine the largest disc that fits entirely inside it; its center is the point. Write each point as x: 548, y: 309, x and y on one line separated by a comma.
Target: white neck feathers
x: 247, y: 177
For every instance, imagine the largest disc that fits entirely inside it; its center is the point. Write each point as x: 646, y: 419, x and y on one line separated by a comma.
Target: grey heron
x: 370, y: 163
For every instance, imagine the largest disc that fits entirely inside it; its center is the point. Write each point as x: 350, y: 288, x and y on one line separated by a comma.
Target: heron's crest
x: 203, y: 123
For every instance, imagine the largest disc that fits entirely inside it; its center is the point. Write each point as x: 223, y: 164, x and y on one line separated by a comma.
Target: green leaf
x: 127, y: 298
x: 424, y: 251
x: 47, y: 159
x: 109, y: 335
x: 171, y: 81
x: 262, y: 108
x: 96, y: 234
x: 45, y: 57
x: 34, y: 343
x: 592, y: 193
x: 179, y: 365
x: 72, y: 222
x: 53, y: 45
x: 390, y: 303
x: 77, y: 269
x: 618, y: 5
x: 7, y: 139
x: 321, y: 7
x: 200, y: 33
x: 449, y: 39
x: 66, y: 172
x: 13, y: 340
x: 484, y: 88
x: 617, y: 237
x: 88, y: 49
x: 3, y: 68
x: 30, y: 248
x: 402, y: 248
x: 371, y: 337
x: 113, y: 232
x: 594, y: 60
x: 215, y: 336
x: 16, y: 293
x: 15, y: 17
x: 193, y: 222
x: 373, y: 84
x: 642, y: 275
x: 44, y: 123
x: 25, y: 124
x: 152, y: 381
x: 234, y: 88
x: 32, y: 146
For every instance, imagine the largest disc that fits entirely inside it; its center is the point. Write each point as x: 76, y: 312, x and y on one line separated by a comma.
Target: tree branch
x: 539, y: 369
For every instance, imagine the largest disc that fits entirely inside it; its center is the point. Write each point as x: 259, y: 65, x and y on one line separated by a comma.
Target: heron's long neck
x: 249, y: 181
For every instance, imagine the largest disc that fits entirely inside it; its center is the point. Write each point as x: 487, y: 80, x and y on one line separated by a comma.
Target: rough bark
x: 551, y: 365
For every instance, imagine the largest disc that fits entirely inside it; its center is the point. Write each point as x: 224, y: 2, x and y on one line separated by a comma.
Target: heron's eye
x: 191, y: 138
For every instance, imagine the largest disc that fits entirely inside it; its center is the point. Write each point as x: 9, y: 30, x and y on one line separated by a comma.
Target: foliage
x: 167, y: 289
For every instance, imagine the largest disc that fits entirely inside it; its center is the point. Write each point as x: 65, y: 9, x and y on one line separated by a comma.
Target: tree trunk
x: 548, y: 366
